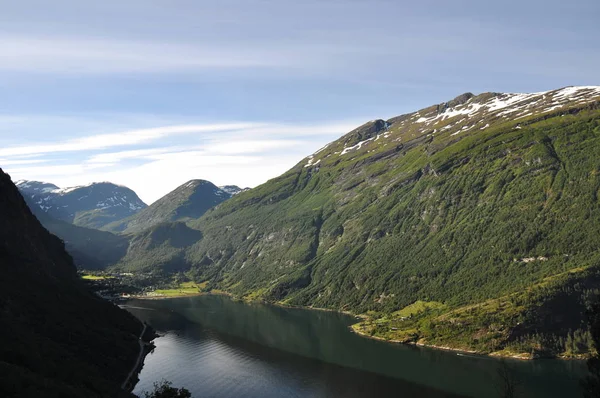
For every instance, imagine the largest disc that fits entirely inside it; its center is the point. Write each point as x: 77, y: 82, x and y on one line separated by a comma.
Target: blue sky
x: 150, y: 94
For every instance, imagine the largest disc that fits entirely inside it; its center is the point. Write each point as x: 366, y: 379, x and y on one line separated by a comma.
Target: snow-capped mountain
x: 486, y: 205
x: 93, y: 205
x: 232, y: 189
x: 188, y: 201
x: 465, y: 113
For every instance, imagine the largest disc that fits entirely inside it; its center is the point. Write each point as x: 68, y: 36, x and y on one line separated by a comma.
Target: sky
x: 150, y: 94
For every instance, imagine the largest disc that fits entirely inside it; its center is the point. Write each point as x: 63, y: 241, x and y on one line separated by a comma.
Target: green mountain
x: 91, y: 249
x: 188, y: 201
x: 93, y: 205
x: 95, y: 249
x: 162, y: 248
x: 472, y: 224
x: 60, y: 340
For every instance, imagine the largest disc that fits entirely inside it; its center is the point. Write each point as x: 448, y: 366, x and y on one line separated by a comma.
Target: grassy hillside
x: 189, y: 201
x: 160, y: 248
x: 457, y: 204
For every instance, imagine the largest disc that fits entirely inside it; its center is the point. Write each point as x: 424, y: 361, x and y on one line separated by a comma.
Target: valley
x: 275, y: 351
x: 60, y: 340
x: 471, y: 225
x: 321, y: 199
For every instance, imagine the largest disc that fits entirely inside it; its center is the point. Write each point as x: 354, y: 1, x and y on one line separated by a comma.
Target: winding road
x: 139, y: 358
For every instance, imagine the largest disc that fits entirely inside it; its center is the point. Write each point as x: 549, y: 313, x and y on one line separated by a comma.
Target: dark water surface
x: 217, y: 347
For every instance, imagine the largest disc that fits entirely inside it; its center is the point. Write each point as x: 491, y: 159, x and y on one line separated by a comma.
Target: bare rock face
x: 365, y: 132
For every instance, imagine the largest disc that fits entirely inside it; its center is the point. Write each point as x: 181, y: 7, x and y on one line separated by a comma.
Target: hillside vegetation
x: 477, y: 199
x: 59, y: 339
x: 161, y: 247
x: 189, y: 201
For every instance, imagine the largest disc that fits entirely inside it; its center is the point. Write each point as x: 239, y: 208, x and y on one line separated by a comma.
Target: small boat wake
x: 137, y: 308
x: 475, y: 356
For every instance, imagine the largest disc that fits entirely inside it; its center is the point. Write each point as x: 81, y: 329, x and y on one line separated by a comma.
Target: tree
x: 507, y: 383
x: 164, y: 389
x: 591, y: 384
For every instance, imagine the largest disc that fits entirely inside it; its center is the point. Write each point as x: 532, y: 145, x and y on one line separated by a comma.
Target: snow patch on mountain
x: 66, y: 203
x: 357, y: 146
x: 508, y: 104
x: 232, y: 189
x: 465, y: 113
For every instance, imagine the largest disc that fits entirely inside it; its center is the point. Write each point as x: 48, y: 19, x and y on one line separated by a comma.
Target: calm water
x: 217, y: 347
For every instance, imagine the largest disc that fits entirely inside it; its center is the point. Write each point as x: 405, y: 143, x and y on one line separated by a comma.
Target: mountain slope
x: 92, y: 206
x: 484, y: 209
x: 186, y: 202
x: 232, y: 189
x: 161, y: 247
x: 91, y: 249
x: 62, y: 341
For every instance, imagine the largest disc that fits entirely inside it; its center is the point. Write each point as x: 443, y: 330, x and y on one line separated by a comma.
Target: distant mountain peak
x: 38, y: 186
x: 188, y: 201
x: 506, y: 105
x: 232, y: 189
x: 194, y: 183
x: 91, y: 205
x: 459, y: 100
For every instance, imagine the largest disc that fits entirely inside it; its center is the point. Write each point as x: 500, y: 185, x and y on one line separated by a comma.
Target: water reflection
x: 274, y: 351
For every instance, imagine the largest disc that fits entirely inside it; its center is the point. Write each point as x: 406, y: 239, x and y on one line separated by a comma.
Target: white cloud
x: 46, y: 172
x: 249, y: 146
x: 125, y: 138
x: 167, y: 171
x: 299, y: 130
x: 245, y: 154
x: 115, y: 157
x: 171, y: 171
x: 6, y: 162
x: 89, y: 55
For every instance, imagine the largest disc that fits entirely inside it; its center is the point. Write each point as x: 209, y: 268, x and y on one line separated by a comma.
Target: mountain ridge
x: 90, y: 248
x: 92, y: 205
x: 466, y: 112
x: 446, y: 205
x: 188, y: 201
x: 232, y: 189
x: 64, y: 340
x: 95, y: 249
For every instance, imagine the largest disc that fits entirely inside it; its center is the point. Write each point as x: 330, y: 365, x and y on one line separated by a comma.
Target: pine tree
x: 591, y: 384
x: 569, y: 344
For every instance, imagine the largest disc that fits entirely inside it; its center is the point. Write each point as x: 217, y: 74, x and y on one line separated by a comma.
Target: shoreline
x: 146, y: 346
x: 467, y: 352
x: 492, y: 355
x: 165, y: 297
x: 458, y: 351
x: 422, y: 345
